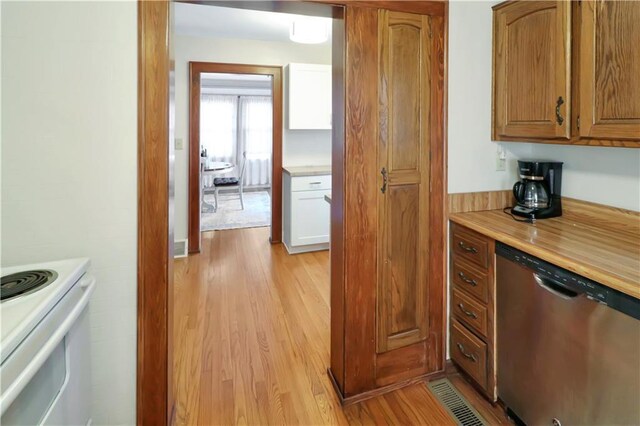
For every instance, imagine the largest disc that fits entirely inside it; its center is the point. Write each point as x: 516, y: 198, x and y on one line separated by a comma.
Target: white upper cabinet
x: 309, y: 96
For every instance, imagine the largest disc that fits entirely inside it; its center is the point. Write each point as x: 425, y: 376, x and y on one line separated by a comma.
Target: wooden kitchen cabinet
x: 472, y: 307
x: 532, y: 57
x: 566, y: 72
x: 388, y: 226
x: 610, y: 69
x: 309, y: 101
x: 403, y: 160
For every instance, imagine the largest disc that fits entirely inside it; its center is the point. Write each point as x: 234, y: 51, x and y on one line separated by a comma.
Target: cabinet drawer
x: 310, y: 183
x: 469, y: 312
x: 469, y: 279
x: 469, y: 352
x: 470, y: 245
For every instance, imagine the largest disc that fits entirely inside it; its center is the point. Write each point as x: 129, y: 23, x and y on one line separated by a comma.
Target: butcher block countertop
x: 599, y: 242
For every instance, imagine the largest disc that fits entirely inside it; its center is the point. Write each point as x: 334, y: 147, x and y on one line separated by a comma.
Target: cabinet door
x: 309, y: 96
x: 403, y: 155
x: 610, y: 70
x: 532, y: 57
x: 310, y: 219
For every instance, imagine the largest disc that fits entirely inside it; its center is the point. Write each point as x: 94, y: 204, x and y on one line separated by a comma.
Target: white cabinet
x: 306, y: 213
x: 309, y: 105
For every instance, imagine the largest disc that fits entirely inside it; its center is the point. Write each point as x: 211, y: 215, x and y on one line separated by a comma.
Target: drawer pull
x: 467, y: 313
x: 472, y: 357
x: 467, y: 248
x: 469, y: 281
x: 315, y: 183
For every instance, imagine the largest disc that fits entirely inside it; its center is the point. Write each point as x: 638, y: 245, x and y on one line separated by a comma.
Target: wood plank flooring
x: 251, y: 341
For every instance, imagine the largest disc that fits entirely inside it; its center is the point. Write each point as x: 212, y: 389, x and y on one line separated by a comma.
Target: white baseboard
x: 307, y: 248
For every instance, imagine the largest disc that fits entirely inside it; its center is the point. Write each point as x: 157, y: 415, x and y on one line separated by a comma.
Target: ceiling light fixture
x: 309, y: 30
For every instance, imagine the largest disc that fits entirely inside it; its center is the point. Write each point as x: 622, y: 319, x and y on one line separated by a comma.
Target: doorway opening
x: 235, y: 148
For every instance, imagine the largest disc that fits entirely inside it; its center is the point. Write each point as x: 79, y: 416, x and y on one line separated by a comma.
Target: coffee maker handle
x: 516, y: 191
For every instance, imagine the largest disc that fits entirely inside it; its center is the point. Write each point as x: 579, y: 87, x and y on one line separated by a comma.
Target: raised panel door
x: 403, y: 157
x: 532, y: 58
x: 610, y: 70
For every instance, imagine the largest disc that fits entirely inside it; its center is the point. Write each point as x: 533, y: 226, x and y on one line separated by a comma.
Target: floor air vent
x: 455, y: 403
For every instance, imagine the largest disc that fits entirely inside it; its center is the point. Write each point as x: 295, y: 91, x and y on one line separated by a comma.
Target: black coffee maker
x: 538, y: 192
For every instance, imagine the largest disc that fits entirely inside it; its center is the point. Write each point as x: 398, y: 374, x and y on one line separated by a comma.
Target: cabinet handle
x: 315, y: 183
x: 559, y: 118
x: 469, y: 249
x: 472, y: 357
x: 469, y: 281
x: 467, y: 313
x: 384, y: 180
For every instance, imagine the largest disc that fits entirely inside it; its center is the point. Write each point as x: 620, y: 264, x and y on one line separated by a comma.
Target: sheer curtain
x: 219, y: 127
x: 231, y: 125
x: 255, y: 138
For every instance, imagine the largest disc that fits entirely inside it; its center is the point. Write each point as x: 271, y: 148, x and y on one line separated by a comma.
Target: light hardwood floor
x: 252, y: 341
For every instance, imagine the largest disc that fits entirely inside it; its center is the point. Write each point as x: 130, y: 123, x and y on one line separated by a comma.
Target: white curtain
x: 231, y: 125
x: 255, y: 138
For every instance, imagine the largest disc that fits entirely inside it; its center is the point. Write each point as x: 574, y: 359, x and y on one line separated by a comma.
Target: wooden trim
x: 195, y: 69
x: 346, y: 401
x: 478, y: 201
x: 431, y: 8
x: 155, y: 222
x: 337, y: 201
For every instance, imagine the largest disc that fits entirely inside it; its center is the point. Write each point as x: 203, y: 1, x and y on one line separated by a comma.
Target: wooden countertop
x: 598, y: 242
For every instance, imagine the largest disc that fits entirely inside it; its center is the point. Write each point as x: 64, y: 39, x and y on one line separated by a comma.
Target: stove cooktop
x: 29, y: 292
x: 25, y: 282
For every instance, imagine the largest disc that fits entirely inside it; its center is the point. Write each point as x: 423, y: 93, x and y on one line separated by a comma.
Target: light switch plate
x: 179, y: 146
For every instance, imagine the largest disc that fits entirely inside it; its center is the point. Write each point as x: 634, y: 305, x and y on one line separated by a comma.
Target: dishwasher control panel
x: 572, y: 281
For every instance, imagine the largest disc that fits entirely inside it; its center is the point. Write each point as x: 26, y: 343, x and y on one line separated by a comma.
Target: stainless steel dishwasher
x: 568, y: 348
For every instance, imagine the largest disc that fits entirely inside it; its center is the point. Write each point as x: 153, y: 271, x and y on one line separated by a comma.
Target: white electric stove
x: 45, y: 375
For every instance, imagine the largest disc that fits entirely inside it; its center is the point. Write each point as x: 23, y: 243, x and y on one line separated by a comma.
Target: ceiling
x: 225, y: 22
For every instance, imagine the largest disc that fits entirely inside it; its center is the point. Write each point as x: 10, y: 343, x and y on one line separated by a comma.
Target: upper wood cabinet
x: 532, y: 55
x: 610, y: 69
x: 567, y: 72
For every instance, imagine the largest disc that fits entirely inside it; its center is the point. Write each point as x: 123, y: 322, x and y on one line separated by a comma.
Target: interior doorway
x: 230, y: 107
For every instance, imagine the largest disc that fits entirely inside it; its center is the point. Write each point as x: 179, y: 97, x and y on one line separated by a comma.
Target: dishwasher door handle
x: 554, y: 287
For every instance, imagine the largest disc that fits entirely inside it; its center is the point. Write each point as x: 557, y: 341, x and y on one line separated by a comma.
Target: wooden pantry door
x: 403, y: 159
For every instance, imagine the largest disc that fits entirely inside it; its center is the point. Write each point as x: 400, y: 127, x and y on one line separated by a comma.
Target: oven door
x: 47, y: 379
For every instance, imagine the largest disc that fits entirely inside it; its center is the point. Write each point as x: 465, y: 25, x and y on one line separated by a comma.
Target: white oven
x: 45, y: 375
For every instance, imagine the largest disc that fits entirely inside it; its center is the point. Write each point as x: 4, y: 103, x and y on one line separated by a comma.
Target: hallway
x: 252, y: 341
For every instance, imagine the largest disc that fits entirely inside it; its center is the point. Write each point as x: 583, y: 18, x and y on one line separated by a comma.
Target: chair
x: 232, y: 182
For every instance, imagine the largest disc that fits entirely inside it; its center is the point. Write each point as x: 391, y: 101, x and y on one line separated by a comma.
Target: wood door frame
x: 154, y: 399
x: 195, y: 69
x: 154, y: 396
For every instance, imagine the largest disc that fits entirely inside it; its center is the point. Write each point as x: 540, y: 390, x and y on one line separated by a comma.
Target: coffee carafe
x: 538, y: 192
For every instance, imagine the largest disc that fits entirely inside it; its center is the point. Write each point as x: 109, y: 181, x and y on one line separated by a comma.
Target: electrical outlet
x: 179, y: 144
x: 501, y: 159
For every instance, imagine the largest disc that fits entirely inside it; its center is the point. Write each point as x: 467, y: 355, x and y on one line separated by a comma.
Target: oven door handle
x: 87, y: 283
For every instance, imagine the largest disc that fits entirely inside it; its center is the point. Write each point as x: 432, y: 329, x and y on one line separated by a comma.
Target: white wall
x: 69, y: 83
x: 602, y: 175
x: 301, y: 147
x: 472, y: 155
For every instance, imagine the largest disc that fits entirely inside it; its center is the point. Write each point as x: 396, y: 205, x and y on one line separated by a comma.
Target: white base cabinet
x: 306, y: 214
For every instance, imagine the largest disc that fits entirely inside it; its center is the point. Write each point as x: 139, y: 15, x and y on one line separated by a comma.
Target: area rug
x: 257, y: 211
